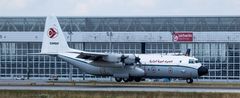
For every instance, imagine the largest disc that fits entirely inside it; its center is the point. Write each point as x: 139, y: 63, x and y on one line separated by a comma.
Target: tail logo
x: 52, y: 33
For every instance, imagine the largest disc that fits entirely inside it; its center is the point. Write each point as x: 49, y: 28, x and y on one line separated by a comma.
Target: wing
x: 95, y: 56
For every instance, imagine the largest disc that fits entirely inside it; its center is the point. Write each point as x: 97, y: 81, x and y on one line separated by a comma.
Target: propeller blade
x: 138, y: 60
x: 122, y: 58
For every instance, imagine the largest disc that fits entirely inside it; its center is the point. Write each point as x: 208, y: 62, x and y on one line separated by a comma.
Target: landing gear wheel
x: 137, y: 79
x: 125, y: 79
x: 189, y: 80
x: 118, y: 79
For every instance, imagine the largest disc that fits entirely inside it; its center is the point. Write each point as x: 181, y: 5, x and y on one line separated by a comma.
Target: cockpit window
x: 191, y: 61
x: 196, y: 61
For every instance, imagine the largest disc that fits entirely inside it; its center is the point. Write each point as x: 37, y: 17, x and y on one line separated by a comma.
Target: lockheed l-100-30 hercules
x: 123, y: 67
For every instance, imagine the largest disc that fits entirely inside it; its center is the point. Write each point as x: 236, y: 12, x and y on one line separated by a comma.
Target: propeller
x: 122, y: 58
x: 137, y: 60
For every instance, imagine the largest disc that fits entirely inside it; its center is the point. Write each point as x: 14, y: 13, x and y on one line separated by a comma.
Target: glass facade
x: 222, y: 59
x: 16, y: 61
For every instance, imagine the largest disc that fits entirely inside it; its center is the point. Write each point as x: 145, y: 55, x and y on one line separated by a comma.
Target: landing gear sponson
x: 130, y: 79
x: 138, y: 79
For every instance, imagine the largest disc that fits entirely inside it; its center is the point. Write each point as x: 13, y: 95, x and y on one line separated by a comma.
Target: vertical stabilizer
x: 53, y: 37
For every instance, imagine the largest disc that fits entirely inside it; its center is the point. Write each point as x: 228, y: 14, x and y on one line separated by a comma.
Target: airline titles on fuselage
x: 161, y: 61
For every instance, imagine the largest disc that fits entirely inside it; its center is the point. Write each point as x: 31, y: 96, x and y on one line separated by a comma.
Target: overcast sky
x: 120, y: 7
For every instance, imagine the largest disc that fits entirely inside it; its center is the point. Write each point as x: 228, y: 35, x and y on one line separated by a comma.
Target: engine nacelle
x: 113, y: 58
x: 130, y: 59
x: 125, y: 59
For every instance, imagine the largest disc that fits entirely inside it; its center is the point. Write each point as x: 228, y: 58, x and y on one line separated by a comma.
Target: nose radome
x: 202, y: 71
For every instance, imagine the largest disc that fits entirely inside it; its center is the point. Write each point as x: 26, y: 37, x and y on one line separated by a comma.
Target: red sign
x: 52, y: 32
x: 182, y: 37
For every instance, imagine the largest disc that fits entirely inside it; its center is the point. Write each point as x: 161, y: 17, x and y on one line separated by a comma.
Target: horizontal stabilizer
x: 51, y: 54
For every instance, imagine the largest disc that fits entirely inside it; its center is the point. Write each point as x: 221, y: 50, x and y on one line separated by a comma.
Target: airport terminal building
x: 215, y: 41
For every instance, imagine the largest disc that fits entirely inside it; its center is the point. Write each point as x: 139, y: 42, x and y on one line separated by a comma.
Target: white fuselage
x: 153, y: 66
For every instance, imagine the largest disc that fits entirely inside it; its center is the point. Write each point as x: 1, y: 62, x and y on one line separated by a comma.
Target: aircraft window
x: 191, y: 61
x: 196, y: 61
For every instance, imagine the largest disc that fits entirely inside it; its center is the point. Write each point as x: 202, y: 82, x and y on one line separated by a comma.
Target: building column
x: 143, y: 48
x: 70, y: 71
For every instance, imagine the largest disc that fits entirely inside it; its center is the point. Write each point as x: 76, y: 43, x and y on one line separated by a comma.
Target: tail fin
x: 53, y: 38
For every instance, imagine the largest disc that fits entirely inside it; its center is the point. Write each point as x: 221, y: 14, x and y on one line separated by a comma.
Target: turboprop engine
x: 125, y: 59
x: 112, y: 58
x: 130, y: 59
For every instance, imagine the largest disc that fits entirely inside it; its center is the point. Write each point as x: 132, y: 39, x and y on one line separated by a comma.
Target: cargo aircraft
x: 123, y: 67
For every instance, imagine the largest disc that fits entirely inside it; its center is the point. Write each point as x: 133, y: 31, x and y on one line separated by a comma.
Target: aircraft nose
x: 202, y: 71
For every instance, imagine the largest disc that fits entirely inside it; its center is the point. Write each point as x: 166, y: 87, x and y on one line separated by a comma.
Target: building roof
x: 126, y: 24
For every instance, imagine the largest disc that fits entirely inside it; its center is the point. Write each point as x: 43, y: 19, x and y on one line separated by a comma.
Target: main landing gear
x: 118, y: 79
x: 130, y: 79
x: 189, y: 80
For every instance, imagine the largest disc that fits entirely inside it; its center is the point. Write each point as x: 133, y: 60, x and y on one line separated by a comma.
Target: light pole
x: 110, y: 44
x: 70, y: 65
x: 173, y: 42
x: 110, y: 41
